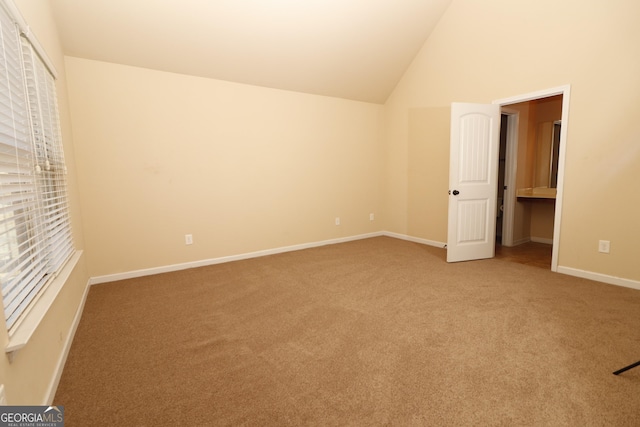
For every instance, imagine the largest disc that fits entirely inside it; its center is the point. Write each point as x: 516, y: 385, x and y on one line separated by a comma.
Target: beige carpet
x: 373, y: 332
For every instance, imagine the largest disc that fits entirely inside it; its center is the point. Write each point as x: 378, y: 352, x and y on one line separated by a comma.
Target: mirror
x: 555, y: 152
x: 546, y: 154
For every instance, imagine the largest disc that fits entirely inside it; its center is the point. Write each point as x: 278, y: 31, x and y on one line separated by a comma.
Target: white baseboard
x: 202, y: 263
x: 521, y: 241
x: 415, y: 239
x: 53, y: 386
x: 532, y: 239
x: 176, y: 267
x: 542, y: 240
x: 612, y: 280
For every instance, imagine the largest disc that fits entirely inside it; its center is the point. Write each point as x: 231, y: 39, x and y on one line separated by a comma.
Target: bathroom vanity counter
x: 537, y: 193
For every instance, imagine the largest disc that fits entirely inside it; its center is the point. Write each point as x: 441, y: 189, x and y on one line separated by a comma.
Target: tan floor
x: 373, y: 332
x: 530, y: 253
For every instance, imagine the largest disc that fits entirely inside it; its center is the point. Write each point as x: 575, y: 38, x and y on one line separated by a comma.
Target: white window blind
x: 35, y: 232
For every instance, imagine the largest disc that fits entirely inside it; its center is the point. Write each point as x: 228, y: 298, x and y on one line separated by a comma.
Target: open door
x: 473, y: 175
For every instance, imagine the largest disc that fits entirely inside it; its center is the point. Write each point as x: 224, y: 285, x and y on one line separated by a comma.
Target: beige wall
x: 239, y: 167
x: 427, y: 188
x: 484, y: 50
x: 31, y: 377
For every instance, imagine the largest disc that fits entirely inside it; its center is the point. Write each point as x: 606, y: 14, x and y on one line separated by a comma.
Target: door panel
x: 473, y: 174
x: 472, y: 221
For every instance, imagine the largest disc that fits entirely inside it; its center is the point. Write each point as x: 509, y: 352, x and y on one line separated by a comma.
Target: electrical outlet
x: 337, y: 220
x: 604, y: 246
x: 371, y: 217
x: 188, y: 239
x: 3, y: 398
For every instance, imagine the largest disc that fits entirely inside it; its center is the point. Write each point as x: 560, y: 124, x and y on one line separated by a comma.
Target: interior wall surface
x: 239, y: 168
x: 486, y: 50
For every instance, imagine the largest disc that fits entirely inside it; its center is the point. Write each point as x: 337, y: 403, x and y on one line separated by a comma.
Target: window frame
x: 42, y: 230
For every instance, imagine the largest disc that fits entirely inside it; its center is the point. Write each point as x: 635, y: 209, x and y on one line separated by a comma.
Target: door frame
x: 510, y: 171
x: 565, y: 91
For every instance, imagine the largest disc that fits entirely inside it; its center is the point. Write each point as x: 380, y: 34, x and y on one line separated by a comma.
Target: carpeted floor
x: 373, y: 332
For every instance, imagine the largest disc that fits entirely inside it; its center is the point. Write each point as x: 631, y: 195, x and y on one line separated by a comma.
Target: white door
x: 473, y: 181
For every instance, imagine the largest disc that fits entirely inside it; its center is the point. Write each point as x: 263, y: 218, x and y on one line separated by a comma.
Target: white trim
x: 202, y: 263
x: 542, y: 240
x: 598, y: 277
x: 510, y: 173
x: 521, y: 241
x: 545, y: 93
x: 415, y: 239
x: 16, y: 15
x: 562, y: 155
x: 23, y: 331
x: 176, y: 267
x: 55, y: 381
x: 565, y: 91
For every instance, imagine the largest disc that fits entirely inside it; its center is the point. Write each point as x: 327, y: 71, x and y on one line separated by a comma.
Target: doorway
x: 517, y: 181
x: 502, y: 165
x: 536, y: 254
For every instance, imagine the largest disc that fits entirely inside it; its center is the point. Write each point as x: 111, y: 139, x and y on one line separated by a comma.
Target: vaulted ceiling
x: 354, y: 49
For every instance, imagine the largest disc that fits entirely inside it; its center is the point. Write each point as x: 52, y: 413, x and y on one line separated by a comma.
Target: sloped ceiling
x: 353, y: 49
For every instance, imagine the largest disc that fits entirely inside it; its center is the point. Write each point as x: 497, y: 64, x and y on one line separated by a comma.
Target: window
x: 35, y: 231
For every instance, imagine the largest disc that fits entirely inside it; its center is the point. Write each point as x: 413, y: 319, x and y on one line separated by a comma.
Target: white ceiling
x: 354, y: 49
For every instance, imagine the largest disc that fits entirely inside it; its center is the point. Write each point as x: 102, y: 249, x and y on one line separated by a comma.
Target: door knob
x: 456, y: 192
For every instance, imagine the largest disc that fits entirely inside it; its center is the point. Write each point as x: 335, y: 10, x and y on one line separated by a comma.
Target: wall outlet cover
x: 604, y: 246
